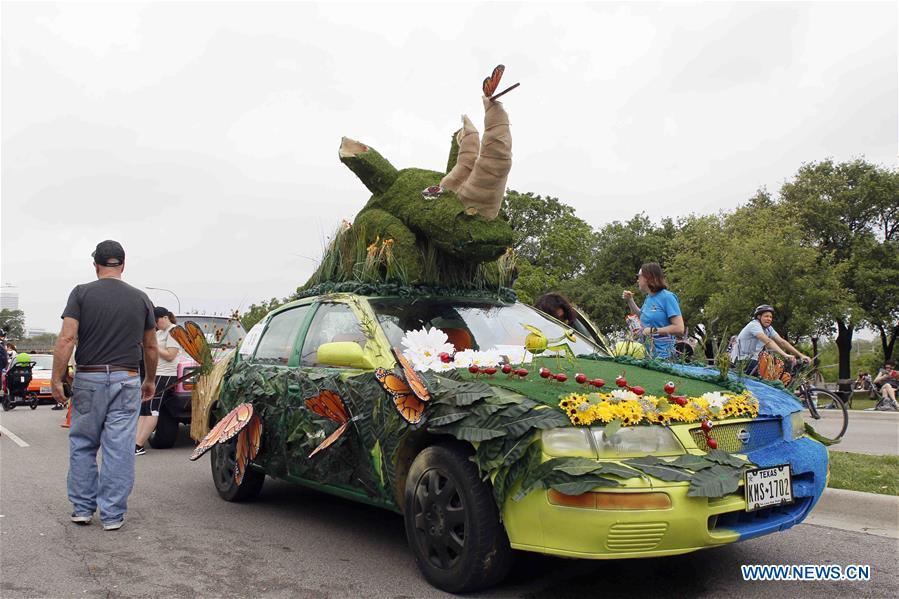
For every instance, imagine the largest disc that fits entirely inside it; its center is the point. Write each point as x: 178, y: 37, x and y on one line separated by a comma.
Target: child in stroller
x: 15, y: 384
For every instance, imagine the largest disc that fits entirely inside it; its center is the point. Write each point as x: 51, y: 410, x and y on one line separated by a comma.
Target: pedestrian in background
x: 4, y: 357
x: 166, y: 375
x: 110, y: 320
x: 660, y: 316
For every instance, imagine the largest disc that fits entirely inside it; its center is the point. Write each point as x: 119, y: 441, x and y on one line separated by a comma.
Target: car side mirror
x: 345, y: 354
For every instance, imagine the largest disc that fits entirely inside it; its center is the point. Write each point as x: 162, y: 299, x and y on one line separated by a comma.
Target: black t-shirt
x: 112, y: 317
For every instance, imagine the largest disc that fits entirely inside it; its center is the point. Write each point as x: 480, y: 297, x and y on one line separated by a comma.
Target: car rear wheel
x: 166, y: 432
x: 223, y: 465
x: 452, y: 523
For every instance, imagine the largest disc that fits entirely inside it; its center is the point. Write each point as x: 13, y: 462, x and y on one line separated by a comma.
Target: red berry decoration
x: 638, y: 390
x: 706, y: 426
x: 507, y: 368
x: 473, y: 369
x: 490, y: 370
x: 580, y: 378
x: 680, y: 400
x: 670, y: 387
x: 522, y: 372
x: 711, y: 443
x: 598, y: 383
x: 445, y: 357
x: 545, y: 373
x: 561, y: 377
x: 621, y: 381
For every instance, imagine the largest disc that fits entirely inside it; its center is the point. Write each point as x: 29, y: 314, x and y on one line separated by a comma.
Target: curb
x: 867, y: 513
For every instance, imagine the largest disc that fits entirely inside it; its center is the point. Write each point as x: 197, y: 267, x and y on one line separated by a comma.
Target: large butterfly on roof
x: 193, y: 340
x: 243, y: 423
x: 328, y: 404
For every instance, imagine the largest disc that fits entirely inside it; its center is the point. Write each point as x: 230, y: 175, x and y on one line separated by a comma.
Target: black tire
x: 221, y: 458
x: 7, y: 404
x: 166, y: 432
x: 33, y: 404
x: 452, y: 523
x: 827, y: 414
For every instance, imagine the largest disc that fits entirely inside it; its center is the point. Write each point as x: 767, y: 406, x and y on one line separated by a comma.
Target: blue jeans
x: 104, y: 415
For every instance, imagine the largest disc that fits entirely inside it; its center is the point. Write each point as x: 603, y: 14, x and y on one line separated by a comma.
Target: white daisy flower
x: 424, y: 346
x: 623, y: 394
x: 715, y: 399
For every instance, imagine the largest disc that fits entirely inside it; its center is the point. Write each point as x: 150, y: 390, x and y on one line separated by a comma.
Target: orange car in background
x: 40, y: 377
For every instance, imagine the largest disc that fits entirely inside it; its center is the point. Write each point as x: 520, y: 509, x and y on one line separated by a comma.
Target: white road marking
x: 15, y: 438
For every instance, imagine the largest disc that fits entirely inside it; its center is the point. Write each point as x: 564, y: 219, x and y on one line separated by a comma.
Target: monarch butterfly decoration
x: 412, y: 379
x: 408, y: 395
x: 492, y: 82
x: 247, y: 426
x: 193, y: 340
x: 329, y: 405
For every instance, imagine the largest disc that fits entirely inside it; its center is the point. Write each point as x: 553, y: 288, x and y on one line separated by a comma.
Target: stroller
x: 15, y: 386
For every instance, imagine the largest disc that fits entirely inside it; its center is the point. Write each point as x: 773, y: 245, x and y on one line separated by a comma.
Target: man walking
x: 110, y: 320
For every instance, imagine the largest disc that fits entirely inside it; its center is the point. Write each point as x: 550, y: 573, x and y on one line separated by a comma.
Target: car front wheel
x: 223, y: 465
x: 452, y: 523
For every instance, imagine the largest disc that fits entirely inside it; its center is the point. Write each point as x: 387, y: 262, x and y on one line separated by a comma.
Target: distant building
x: 35, y: 332
x: 9, y: 297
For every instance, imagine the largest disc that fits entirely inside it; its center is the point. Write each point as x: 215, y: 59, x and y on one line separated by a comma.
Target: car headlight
x: 797, y: 424
x: 627, y: 442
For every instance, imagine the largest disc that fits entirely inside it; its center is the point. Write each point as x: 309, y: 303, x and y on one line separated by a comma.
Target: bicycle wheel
x: 826, y: 413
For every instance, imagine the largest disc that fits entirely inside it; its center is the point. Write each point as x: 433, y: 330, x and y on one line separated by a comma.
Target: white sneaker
x: 113, y: 525
x: 82, y: 520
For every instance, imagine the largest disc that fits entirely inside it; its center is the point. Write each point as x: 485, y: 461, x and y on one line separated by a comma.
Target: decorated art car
x: 491, y: 427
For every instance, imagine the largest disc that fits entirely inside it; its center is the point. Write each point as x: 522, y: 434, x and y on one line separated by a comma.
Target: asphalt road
x: 181, y: 540
x: 874, y: 433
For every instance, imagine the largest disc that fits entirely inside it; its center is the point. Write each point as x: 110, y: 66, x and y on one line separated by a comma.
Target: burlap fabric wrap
x: 485, y: 186
x: 469, y: 141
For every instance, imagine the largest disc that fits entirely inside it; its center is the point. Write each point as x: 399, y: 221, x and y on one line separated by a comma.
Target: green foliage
x: 13, y: 322
x: 257, y: 312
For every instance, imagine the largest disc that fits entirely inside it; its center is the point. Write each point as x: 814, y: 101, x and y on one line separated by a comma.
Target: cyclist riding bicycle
x: 759, y: 336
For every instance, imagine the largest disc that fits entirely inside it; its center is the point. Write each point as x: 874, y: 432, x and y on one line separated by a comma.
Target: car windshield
x: 471, y: 323
x: 219, y: 330
x: 42, y: 361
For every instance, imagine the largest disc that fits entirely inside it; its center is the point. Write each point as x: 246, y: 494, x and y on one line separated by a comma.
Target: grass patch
x: 861, y: 472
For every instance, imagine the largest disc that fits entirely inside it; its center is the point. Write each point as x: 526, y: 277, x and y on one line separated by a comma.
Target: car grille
x: 625, y: 537
x: 741, y: 436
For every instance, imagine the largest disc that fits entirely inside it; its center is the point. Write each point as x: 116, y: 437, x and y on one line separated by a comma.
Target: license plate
x: 765, y: 487
x: 45, y: 389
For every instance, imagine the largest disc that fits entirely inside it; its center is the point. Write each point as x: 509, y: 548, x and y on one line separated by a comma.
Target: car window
x: 332, y: 322
x: 279, y: 338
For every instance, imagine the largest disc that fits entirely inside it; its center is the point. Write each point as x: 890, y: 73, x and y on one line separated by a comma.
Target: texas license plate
x: 765, y: 487
x: 45, y: 389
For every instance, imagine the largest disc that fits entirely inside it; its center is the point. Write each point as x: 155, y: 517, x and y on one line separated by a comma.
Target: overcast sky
x: 204, y: 136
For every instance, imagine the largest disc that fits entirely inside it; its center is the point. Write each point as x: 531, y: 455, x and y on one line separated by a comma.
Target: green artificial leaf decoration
x: 717, y: 481
x: 659, y: 469
x: 472, y: 433
x: 579, y: 484
x: 376, y: 461
x: 727, y: 459
x: 582, y: 466
x: 691, y: 462
x: 611, y: 428
x: 811, y: 432
x: 447, y: 418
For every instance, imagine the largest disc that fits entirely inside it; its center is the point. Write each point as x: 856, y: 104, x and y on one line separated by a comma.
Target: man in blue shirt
x: 660, y: 317
x: 759, y: 335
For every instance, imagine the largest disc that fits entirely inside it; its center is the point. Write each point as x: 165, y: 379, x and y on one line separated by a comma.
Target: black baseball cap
x: 109, y: 253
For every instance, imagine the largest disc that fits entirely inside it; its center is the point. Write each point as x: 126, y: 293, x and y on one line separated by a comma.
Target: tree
x: 877, y: 288
x: 257, y: 312
x: 13, y: 322
x: 843, y: 208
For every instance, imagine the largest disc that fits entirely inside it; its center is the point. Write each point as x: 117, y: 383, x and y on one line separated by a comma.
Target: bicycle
x: 826, y: 413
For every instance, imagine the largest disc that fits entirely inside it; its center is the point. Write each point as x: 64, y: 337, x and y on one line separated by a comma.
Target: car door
x: 344, y: 463
x: 275, y: 359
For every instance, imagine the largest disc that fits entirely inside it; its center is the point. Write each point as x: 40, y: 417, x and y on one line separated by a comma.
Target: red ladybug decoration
x: 711, y: 443
x: 638, y: 390
x: 621, y: 381
x: 580, y: 378
x: 445, y: 357
x: 490, y: 370
x: 507, y: 368
x: 598, y: 383
x: 561, y: 377
x: 473, y: 369
x: 545, y: 373
x: 522, y: 372
x: 670, y: 387
x: 680, y: 400
x: 706, y: 426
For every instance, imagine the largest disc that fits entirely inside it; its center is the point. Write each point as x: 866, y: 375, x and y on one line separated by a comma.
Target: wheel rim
x: 439, y: 513
x: 224, y: 460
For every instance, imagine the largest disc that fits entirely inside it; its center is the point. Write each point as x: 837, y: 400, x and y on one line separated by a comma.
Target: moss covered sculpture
x: 427, y: 227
